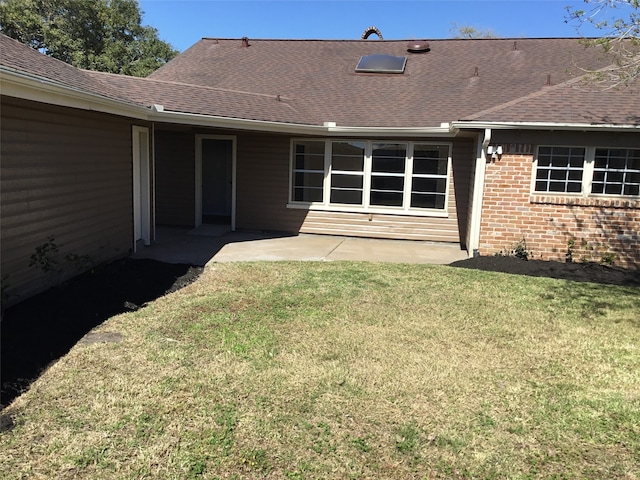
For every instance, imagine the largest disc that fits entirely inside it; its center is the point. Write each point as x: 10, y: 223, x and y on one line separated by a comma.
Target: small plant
x: 46, y: 256
x: 519, y: 250
x: 571, y: 245
x: 608, y: 258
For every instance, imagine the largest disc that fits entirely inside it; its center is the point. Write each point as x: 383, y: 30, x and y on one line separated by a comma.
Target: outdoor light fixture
x: 494, y: 150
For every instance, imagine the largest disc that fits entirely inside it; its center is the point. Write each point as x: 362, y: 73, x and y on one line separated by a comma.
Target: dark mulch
x: 579, y: 272
x: 40, y: 330
x: 43, y: 328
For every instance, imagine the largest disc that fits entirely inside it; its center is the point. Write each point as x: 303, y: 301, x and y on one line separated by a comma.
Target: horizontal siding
x: 175, y: 175
x: 262, y: 181
x: 65, y: 173
x: 381, y: 226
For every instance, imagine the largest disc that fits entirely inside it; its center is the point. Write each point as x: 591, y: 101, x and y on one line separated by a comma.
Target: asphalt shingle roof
x: 314, y: 81
x: 453, y: 81
x: 20, y: 57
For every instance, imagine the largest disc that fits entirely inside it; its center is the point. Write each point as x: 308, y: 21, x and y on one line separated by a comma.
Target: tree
x: 467, y: 32
x: 619, y: 21
x: 103, y: 35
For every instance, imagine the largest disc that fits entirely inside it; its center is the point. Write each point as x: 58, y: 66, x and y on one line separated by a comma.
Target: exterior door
x: 216, y: 180
x: 141, y: 187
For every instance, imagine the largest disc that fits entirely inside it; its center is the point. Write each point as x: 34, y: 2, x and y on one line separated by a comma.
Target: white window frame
x: 365, y: 207
x: 587, y: 174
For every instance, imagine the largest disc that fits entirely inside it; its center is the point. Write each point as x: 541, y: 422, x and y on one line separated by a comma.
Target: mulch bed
x: 43, y: 328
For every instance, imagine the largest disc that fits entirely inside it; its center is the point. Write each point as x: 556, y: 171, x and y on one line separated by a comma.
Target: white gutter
x: 478, y: 193
x: 158, y: 113
x: 583, y: 127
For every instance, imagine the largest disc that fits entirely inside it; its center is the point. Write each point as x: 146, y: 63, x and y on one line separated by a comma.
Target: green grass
x: 346, y: 370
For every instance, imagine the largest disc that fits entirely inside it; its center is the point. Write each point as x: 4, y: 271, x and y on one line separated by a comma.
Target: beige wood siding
x: 65, y: 173
x: 175, y: 174
x: 262, y: 182
x: 263, y: 192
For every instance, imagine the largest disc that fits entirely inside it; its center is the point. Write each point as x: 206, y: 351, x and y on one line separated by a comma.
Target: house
x: 482, y: 143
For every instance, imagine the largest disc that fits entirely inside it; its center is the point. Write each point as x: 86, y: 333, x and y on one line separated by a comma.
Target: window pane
x: 307, y: 194
x: 388, y: 158
x: 427, y: 201
x: 632, y: 190
x: 346, y: 181
x: 351, y: 197
x: 430, y: 166
x: 308, y: 179
x: 347, y: 156
x: 429, y: 185
x: 387, y: 183
x: 391, y: 199
x: 309, y: 156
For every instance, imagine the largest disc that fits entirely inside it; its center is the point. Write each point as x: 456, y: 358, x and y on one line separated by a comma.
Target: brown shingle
x: 438, y: 86
x: 314, y: 81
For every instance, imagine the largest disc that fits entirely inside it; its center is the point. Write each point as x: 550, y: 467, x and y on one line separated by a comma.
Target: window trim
x: 365, y: 207
x: 588, y: 168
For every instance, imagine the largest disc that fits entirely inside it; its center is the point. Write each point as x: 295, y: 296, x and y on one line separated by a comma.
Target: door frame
x: 199, y: 139
x: 141, y: 177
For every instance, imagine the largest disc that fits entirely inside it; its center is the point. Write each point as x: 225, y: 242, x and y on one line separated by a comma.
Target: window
x: 358, y: 175
x: 587, y: 170
x: 347, y: 172
x: 616, y: 172
x: 308, y: 171
x: 430, y: 174
x: 388, y: 162
x: 560, y: 169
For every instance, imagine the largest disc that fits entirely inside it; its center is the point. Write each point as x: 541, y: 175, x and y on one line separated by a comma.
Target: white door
x: 141, y: 187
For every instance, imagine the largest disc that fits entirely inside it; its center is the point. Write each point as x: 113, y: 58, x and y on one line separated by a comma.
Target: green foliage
x: 46, y: 256
x: 519, y: 250
x: 467, y: 32
x: 103, y: 35
x: 619, y: 22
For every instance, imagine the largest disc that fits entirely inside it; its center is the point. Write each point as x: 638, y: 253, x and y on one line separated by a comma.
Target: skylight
x: 381, y: 63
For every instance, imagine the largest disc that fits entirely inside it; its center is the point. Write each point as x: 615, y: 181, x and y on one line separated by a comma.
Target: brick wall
x: 555, y: 227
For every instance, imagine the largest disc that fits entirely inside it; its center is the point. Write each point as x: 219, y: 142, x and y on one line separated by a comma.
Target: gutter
x: 582, y: 127
x: 159, y: 114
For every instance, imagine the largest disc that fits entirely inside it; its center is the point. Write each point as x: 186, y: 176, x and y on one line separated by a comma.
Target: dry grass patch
x: 346, y: 370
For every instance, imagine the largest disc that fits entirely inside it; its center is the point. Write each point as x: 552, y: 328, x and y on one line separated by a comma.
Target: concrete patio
x: 211, y: 244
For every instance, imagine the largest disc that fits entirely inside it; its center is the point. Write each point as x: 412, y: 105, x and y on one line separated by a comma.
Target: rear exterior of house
x: 294, y: 136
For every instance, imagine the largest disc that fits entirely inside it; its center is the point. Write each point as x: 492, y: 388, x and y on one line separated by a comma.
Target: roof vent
x: 371, y: 30
x: 245, y: 42
x: 418, y: 46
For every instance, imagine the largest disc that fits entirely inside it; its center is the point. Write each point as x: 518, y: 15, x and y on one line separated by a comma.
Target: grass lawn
x: 345, y: 370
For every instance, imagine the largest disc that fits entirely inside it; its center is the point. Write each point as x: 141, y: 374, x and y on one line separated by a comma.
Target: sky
x: 183, y: 22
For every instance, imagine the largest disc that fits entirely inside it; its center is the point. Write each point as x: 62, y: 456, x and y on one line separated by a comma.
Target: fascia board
x: 583, y: 127
x: 20, y: 85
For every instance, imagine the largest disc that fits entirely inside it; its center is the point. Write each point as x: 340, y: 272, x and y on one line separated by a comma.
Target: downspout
x: 153, y: 181
x: 478, y: 193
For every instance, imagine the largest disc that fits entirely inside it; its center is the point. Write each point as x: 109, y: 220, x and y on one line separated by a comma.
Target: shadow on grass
x: 43, y: 328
